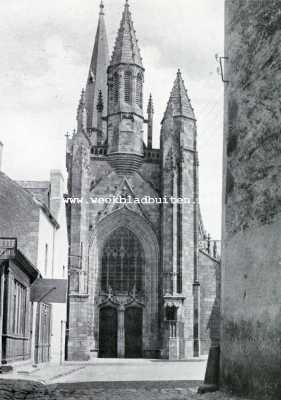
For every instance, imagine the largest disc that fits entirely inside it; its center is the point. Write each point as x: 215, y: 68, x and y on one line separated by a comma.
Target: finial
x: 82, y: 99
x: 215, y: 249
x: 179, y: 73
x: 209, y: 243
x: 101, y: 8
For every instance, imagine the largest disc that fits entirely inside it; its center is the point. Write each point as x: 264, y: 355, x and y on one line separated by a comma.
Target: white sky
x: 45, y: 52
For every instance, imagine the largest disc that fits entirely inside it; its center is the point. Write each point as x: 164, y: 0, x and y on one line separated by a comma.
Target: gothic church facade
x: 142, y: 284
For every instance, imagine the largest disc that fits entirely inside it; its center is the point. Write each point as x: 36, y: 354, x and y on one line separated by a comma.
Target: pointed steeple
x: 179, y: 102
x: 97, y: 77
x: 126, y: 49
x: 101, y: 8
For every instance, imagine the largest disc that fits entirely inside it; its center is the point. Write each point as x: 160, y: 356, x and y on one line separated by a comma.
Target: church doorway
x: 122, y: 288
x: 108, y: 332
x: 133, y: 332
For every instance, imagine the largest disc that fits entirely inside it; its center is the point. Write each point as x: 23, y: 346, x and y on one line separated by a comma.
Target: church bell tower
x: 125, y: 100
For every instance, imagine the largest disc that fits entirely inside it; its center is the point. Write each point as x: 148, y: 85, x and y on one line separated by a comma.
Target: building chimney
x: 57, y: 190
x: 1, y: 155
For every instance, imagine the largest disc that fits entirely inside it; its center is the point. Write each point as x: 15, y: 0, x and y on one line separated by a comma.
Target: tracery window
x: 122, y: 263
x: 128, y: 87
x: 139, y: 90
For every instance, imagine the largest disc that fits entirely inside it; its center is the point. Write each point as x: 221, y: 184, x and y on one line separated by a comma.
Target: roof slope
x: 179, y: 103
x: 126, y: 49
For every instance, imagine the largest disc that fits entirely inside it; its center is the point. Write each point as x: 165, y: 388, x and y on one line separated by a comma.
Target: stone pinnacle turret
x: 179, y: 103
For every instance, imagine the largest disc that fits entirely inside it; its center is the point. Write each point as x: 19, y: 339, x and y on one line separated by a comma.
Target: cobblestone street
x: 109, y: 380
x: 144, y: 391
x: 26, y: 390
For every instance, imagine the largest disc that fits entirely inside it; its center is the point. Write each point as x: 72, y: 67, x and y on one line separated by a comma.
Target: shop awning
x: 49, y: 291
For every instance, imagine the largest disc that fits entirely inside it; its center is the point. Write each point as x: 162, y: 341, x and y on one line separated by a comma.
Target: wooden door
x: 108, y: 332
x: 43, y: 333
x: 133, y: 332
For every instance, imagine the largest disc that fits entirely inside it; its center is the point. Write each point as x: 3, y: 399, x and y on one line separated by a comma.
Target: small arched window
x: 116, y: 87
x: 128, y: 87
x: 139, y: 90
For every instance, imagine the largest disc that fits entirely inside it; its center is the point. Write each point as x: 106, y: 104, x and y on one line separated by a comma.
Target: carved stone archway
x: 142, y: 229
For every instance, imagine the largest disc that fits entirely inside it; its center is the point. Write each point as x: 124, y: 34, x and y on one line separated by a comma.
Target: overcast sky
x: 45, y: 54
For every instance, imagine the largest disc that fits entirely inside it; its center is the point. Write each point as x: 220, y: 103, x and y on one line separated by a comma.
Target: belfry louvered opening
x: 122, y: 263
x: 128, y: 87
x: 116, y: 87
x: 139, y: 95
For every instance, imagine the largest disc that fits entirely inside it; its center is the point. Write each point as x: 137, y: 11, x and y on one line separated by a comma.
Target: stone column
x: 121, y: 332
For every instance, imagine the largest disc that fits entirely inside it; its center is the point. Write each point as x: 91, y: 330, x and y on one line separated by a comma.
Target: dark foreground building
x: 33, y: 247
x: 251, y: 270
x: 143, y: 281
x: 17, y: 275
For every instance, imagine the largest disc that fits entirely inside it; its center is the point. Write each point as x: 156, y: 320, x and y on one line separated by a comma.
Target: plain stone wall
x: 251, y: 271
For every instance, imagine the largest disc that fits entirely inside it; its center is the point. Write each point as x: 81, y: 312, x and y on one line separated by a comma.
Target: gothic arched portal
x: 124, y: 263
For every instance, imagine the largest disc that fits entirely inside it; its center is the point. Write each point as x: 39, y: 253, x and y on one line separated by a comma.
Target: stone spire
x: 179, y: 103
x: 97, y: 77
x: 126, y: 49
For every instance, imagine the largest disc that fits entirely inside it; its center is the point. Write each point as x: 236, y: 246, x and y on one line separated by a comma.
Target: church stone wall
x: 150, y: 171
x: 209, y: 278
x: 251, y: 273
x: 78, y: 342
